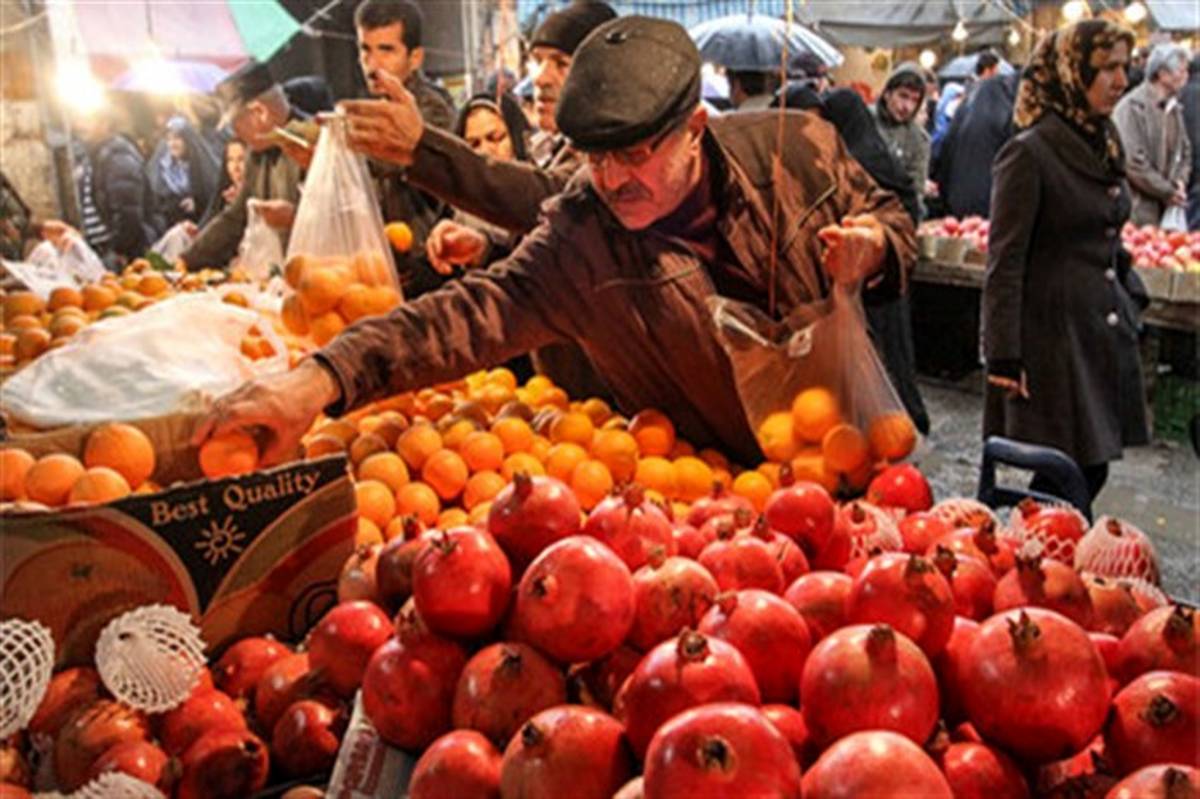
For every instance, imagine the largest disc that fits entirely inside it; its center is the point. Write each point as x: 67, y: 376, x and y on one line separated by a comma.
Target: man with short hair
x: 895, y: 115
x: 672, y: 210
x: 254, y: 106
x: 752, y: 91
x: 1158, y: 155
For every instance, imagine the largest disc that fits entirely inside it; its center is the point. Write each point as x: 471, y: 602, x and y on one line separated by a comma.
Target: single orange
x: 368, y: 533
x: 419, y: 500
x: 375, y: 502
x: 521, y: 462
x: 514, y: 432
x: 775, y: 437
x: 562, y: 459
x: 814, y: 412
x: 446, y: 473
x: 230, y: 454
x: 591, y: 481
x: 575, y: 427
x: 386, y: 467
x: 65, y: 297
x: 321, y: 289
x: 656, y: 474
x: 452, y: 517
x: 399, y: 235
x: 892, y: 435
x: 654, y: 432
x: 482, y: 487
x: 755, y: 487
x: 98, y: 485
x: 813, y: 468
x: 14, y: 465
x: 123, y: 448
x: 482, y: 451
x: 51, y: 477
x: 294, y: 317
x: 845, y: 448
x: 324, y: 328
x: 693, y: 478
x: 618, y: 450
x: 417, y: 443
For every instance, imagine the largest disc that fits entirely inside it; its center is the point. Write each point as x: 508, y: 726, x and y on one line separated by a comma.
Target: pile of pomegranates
x: 815, y: 649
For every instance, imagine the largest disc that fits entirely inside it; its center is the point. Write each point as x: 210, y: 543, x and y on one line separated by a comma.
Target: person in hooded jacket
x: 889, y: 318
x: 896, y: 116
x: 183, y: 174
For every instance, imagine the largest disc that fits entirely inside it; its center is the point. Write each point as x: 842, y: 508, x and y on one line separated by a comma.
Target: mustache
x: 628, y: 193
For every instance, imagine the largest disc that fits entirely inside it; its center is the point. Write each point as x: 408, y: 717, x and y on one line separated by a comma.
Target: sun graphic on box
x: 220, y: 541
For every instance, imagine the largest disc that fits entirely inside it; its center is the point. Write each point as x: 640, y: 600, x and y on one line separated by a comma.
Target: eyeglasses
x: 630, y: 157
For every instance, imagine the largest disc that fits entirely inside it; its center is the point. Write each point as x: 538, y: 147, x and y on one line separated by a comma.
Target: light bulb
x: 78, y: 88
x: 927, y: 59
x: 960, y: 32
x: 1075, y: 10
x: 1014, y: 38
x: 1135, y: 12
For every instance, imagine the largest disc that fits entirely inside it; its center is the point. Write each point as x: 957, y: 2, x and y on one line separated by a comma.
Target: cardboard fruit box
x: 259, y: 553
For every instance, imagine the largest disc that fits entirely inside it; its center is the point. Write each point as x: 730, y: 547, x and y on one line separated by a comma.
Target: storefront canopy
x: 1175, y: 15
x: 913, y: 23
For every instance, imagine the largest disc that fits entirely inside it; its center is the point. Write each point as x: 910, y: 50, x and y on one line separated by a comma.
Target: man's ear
x: 698, y: 120
x: 416, y: 58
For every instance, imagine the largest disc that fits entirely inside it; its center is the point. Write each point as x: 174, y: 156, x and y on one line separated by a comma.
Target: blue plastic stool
x: 1052, y: 464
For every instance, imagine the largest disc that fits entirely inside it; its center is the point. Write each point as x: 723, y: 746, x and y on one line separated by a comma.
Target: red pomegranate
x: 306, y: 738
x: 342, y: 642
x: 1165, y: 639
x: 1159, y: 782
x: 868, y: 678
x: 720, y: 751
x: 530, y: 514
x: 90, y: 733
x: 689, y: 541
x: 1085, y: 775
x: 139, y: 759
x: 1109, y: 647
x: 1113, y: 548
x: 281, y: 683
x: 920, y: 530
x: 502, y: 686
x: 596, y: 683
x: 1034, y: 684
x: 719, y: 502
x: 971, y: 582
x: 1044, y: 583
x: 358, y: 580
x: 901, y: 486
x: 875, y: 763
x: 981, y: 543
x: 978, y: 771
x: 676, y: 675
x: 201, y: 712
x: 1155, y: 719
x: 224, y: 764
x: 631, y: 526
x: 1057, y: 527
x: 908, y: 593
x: 566, y: 751
x: 575, y: 602
x: 790, y: 723
x: 1114, y: 608
x: 821, y: 599
x: 408, y: 687
x: 770, y: 634
x: 787, y: 553
x: 948, y: 666
x: 804, y: 512
x: 461, y: 583
x: 67, y: 692
x: 669, y: 594
x: 462, y: 764
x: 242, y: 666
x: 738, y: 562
x: 393, y: 569
x: 727, y: 525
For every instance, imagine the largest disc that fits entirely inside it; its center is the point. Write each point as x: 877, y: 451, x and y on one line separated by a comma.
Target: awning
x: 1175, y: 15
x: 114, y: 36
x: 908, y: 23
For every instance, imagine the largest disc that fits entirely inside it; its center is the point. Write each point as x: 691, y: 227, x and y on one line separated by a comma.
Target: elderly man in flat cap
x: 671, y: 209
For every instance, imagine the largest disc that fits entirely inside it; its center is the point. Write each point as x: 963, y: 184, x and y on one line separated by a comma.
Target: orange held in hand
x: 228, y: 454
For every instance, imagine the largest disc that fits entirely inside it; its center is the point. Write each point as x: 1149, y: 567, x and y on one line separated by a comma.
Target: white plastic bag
x: 338, y: 260
x: 175, y: 241
x: 260, y: 250
x: 174, y: 356
x: 1174, y: 219
x: 73, y: 263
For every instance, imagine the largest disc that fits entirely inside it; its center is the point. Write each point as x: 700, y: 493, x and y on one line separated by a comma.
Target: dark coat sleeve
x: 129, y: 204
x: 1016, y: 203
x: 505, y: 193
x: 217, y: 242
x: 485, y: 318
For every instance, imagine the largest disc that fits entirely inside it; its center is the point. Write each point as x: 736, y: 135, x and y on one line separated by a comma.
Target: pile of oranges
x: 332, y: 292
x: 818, y: 441
x: 443, y: 454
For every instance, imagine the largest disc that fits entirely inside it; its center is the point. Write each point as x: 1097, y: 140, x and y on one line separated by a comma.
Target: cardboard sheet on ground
x: 175, y: 356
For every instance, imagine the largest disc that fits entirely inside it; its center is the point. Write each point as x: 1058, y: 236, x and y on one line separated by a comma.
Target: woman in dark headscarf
x: 890, y: 320
x: 183, y: 174
x: 1060, y: 303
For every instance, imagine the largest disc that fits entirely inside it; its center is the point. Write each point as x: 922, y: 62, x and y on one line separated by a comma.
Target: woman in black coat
x: 1060, y: 318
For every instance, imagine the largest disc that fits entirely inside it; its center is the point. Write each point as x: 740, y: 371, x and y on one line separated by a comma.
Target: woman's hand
x: 1016, y: 387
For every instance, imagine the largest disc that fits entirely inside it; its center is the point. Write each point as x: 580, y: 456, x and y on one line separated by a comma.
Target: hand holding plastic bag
x: 813, y: 388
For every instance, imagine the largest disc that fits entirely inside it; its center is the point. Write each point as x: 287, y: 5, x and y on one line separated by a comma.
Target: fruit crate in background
x: 1176, y: 401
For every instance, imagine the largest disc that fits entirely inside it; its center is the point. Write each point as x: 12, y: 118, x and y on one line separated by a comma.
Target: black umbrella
x: 754, y: 42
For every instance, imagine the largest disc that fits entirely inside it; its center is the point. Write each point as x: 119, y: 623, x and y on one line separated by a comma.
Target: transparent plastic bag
x: 72, y: 262
x: 813, y: 385
x: 339, y: 262
x: 172, y: 357
x: 260, y: 250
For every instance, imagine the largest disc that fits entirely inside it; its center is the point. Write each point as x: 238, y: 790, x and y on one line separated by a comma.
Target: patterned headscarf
x: 1057, y: 79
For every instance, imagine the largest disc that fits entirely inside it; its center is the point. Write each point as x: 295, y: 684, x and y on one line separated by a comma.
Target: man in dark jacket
x: 896, y: 115
x: 254, y: 105
x: 980, y: 128
x: 671, y: 209
x: 119, y: 186
x: 1190, y: 97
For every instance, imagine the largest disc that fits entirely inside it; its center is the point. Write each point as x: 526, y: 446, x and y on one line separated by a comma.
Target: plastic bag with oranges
x: 339, y: 263
x: 814, y: 390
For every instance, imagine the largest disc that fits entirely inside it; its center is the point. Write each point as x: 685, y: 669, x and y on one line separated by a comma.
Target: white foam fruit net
x: 150, y: 658
x: 1019, y: 531
x: 116, y: 785
x: 958, y: 512
x: 1114, y: 548
x: 26, y: 664
x: 885, y: 538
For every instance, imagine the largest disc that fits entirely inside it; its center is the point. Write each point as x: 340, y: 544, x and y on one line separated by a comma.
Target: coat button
x: 1112, y: 319
x: 1114, y: 191
x: 1110, y: 274
x: 1110, y: 232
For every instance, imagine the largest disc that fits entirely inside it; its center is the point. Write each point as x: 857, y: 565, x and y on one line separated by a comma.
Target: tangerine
x: 417, y: 443
x: 387, y: 468
x: 845, y: 448
x: 321, y: 289
x: 418, y: 499
x: 482, y: 451
x: 375, y: 502
x: 99, y: 484
x: 514, y: 432
x: 591, y: 481
x: 693, y: 478
x: 14, y: 465
x: 123, y: 448
x: 618, y: 450
x: 775, y: 437
x: 482, y: 487
x: 575, y: 427
x: 446, y: 472
x: 755, y: 487
x: 656, y: 474
x: 50, y: 479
